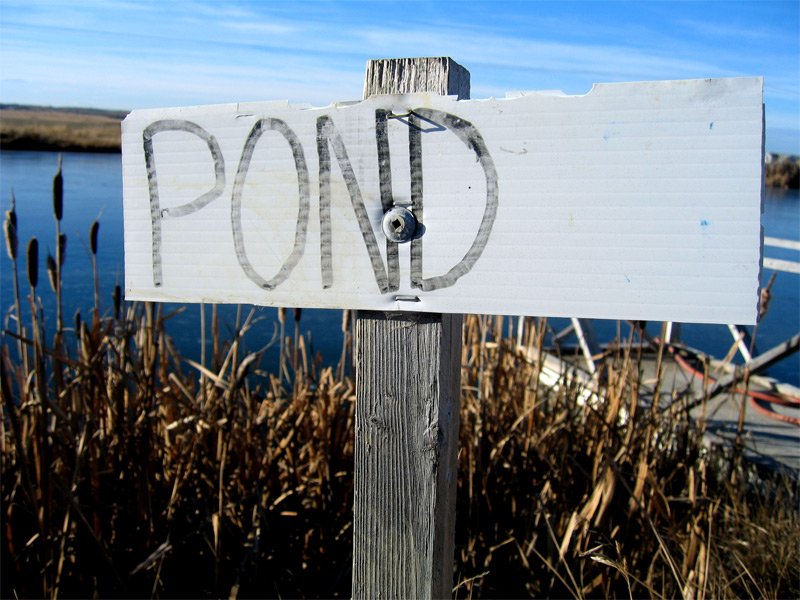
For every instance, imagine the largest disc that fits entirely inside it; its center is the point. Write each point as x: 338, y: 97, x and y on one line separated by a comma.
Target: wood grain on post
x: 440, y: 75
x: 408, y: 369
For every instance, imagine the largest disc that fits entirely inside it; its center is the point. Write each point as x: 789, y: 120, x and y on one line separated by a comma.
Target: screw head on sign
x: 399, y: 224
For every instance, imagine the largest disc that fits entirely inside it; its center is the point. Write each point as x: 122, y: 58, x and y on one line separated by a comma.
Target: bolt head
x: 399, y: 225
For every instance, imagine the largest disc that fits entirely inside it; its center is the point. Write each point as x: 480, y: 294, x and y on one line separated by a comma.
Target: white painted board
x: 634, y: 201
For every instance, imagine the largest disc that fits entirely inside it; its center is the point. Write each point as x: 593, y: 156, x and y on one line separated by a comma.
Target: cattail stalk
x: 116, y: 297
x: 58, y: 193
x: 295, y: 358
x: 62, y: 249
x: 44, y: 416
x: 52, y: 272
x: 12, y: 247
x: 55, y: 284
x: 58, y: 212
x: 203, y: 333
x: 78, y: 332
x: 33, y: 266
x: 282, y: 348
x: 10, y: 229
x: 341, y: 370
x: 215, y: 335
x: 763, y: 307
x: 203, y: 351
x: 93, y: 246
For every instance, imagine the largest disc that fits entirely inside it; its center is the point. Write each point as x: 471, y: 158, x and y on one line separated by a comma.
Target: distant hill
x: 95, y: 112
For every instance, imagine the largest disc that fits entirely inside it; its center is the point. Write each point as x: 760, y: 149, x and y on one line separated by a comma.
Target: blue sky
x: 129, y: 54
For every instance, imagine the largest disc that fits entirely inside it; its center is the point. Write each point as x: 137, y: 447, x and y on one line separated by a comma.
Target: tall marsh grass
x: 129, y: 471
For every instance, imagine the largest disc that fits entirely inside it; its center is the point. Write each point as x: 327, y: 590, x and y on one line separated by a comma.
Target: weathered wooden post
x: 408, y: 368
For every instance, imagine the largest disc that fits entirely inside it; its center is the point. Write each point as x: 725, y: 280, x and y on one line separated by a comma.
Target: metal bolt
x: 399, y: 224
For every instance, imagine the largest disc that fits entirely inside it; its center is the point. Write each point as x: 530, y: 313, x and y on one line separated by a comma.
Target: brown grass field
x: 129, y: 471
x: 31, y: 128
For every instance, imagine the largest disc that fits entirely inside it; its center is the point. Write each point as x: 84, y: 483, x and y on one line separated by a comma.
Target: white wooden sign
x: 634, y: 201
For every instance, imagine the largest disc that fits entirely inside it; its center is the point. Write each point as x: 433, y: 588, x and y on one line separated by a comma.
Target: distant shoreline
x: 56, y: 129
x: 59, y: 129
x: 38, y: 143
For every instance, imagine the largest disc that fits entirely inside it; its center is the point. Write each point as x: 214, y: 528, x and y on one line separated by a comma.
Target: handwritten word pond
x: 633, y: 201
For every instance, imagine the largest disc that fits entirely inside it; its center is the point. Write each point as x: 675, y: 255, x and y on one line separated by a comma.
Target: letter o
x: 304, y: 202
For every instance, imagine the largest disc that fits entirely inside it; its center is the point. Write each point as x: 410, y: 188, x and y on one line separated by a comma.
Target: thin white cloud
x: 614, y: 61
x: 260, y: 27
x: 719, y: 29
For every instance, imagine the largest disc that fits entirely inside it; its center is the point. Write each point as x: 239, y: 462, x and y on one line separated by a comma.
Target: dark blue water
x: 93, y: 190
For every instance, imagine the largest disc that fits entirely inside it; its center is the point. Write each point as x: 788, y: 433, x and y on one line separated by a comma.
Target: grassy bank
x: 57, y: 129
x: 128, y: 471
